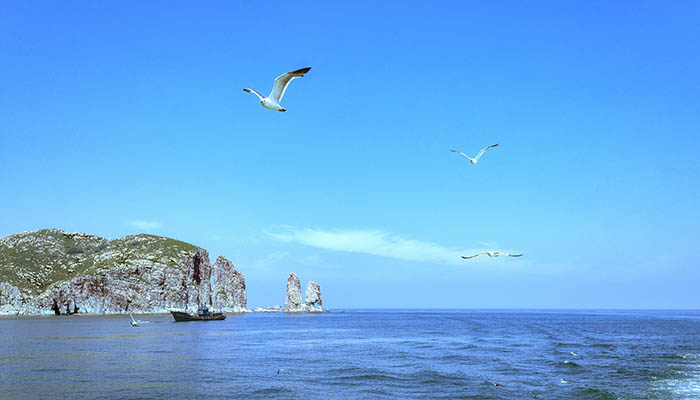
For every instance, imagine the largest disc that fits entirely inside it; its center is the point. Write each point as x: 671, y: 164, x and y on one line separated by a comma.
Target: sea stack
x: 312, y: 301
x: 313, y: 295
x: 228, y: 287
x: 293, y: 301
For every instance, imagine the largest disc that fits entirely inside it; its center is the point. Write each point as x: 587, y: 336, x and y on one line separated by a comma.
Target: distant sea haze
x: 385, y: 354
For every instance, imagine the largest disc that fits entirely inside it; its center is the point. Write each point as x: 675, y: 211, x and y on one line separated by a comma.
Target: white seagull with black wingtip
x: 492, y: 254
x: 475, y: 159
x: 273, y: 101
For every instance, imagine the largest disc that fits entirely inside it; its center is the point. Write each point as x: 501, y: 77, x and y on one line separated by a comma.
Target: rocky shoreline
x: 53, y: 272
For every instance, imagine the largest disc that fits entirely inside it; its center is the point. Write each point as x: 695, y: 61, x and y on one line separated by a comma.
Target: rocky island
x: 51, y: 271
x: 312, y: 301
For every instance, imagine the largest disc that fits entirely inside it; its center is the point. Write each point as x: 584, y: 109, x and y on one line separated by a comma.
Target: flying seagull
x: 492, y: 254
x: 272, y: 101
x: 133, y: 321
x: 475, y: 159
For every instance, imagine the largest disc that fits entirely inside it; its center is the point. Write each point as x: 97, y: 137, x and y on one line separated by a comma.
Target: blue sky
x: 118, y: 118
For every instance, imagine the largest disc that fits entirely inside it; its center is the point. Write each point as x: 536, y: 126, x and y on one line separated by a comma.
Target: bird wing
x: 459, y: 152
x: 282, y: 81
x: 254, y: 92
x: 515, y: 255
x: 484, y: 150
x: 475, y: 255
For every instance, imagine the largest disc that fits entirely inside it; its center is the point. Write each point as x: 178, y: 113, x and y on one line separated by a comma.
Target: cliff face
x: 228, y: 287
x: 293, y: 301
x: 312, y: 301
x: 52, y: 271
x: 313, y: 295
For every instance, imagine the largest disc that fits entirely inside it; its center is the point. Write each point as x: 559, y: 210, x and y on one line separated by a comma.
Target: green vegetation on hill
x: 33, y: 261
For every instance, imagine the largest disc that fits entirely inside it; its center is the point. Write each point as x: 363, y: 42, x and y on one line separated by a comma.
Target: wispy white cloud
x: 488, y: 244
x: 269, y: 260
x: 243, y: 239
x: 144, y: 225
x: 312, y: 260
x: 374, y: 242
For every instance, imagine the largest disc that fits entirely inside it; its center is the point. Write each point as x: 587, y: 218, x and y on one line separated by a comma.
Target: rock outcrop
x: 273, y: 309
x: 54, y: 272
x: 313, y: 295
x: 228, y: 287
x: 293, y: 303
x: 11, y: 299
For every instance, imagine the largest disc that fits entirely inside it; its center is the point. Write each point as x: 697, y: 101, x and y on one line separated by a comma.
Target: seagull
x: 492, y: 254
x: 272, y: 101
x: 475, y: 159
x: 133, y: 321
x: 281, y: 370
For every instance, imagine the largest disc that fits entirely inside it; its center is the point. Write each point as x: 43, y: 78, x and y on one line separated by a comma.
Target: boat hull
x: 185, y: 317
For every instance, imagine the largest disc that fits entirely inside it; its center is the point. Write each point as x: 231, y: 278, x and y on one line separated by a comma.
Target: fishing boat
x: 203, y: 314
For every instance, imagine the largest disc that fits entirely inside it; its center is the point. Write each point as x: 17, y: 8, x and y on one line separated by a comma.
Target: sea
x: 357, y: 354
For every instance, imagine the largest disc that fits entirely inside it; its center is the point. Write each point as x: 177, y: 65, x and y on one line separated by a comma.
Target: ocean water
x: 373, y: 354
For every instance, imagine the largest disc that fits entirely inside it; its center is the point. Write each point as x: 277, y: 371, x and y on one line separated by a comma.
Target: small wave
x: 569, y: 364
x: 606, y: 346
x: 49, y: 369
x: 453, y: 357
x: 352, y: 370
x: 273, y: 391
x: 16, y: 358
x: 367, y: 377
x: 108, y: 337
x: 566, y: 344
x: 357, y: 374
x: 678, y: 356
x: 436, y: 378
x: 376, y: 392
x: 594, y: 394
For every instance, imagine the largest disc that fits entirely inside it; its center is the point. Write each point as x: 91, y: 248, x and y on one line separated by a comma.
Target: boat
x: 203, y: 314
